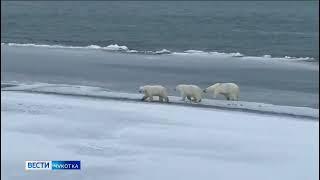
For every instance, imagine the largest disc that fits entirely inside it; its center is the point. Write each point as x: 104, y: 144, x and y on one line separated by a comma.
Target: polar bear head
x: 177, y: 88
x: 141, y: 89
x: 213, y: 89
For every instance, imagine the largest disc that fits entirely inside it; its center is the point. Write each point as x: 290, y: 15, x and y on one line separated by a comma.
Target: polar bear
x: 154, y: 90
x: 192, y: 92
x: 230, y: 90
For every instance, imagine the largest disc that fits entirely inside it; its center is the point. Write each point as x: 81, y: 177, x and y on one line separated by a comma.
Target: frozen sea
x: 279, y: 81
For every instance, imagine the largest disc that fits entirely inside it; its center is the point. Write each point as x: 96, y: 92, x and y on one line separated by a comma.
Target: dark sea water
x: 251, y: 28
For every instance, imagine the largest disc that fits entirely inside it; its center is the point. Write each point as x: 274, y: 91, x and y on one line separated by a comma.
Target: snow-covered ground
x: 140, y: 140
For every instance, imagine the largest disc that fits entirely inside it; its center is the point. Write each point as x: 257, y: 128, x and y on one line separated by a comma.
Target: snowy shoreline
x: 97, y: 92
x: 130, y: 140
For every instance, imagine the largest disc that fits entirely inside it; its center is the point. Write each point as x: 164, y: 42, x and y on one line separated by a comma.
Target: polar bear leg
x: 234, y: 98
x: 164, y: 98
x: 197, y: 99
x: 183, y: 97
x: 144, y: 98
x: 150, y: 98
x: 189, y: 98
x: 192, y: 99
x: 160, y: 98
x: 237, y: 97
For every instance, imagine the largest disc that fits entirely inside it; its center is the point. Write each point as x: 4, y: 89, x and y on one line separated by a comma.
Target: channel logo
x: 53, y: 165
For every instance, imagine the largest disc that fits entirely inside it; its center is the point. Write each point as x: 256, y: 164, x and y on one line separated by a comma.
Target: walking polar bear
x: 231, y: 91
x: 154, y: 90
x: 192, y: 92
